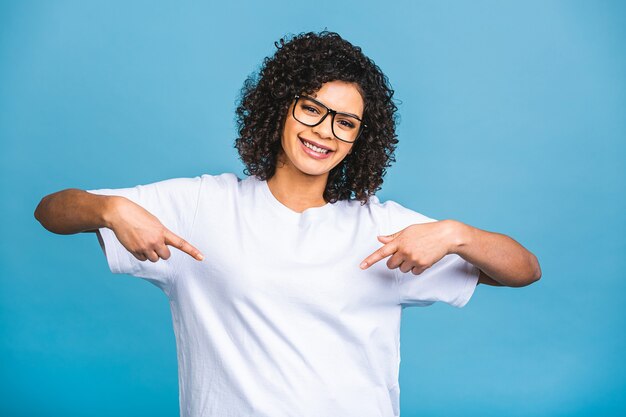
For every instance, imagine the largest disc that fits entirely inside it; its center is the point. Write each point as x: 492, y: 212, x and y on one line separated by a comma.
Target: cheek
x: 345, y: 149
x: 286, y: 132
x: 342, y: 153
x: 290, y: 129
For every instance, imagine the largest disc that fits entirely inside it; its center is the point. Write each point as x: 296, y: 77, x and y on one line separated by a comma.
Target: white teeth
x: 315, y: 148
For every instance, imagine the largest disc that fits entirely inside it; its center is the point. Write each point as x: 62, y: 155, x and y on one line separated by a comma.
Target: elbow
x: 46, y: 207
x: 535, y: 275
x: 42, y: 212
x: 536, y: 268
x: 39, y: 210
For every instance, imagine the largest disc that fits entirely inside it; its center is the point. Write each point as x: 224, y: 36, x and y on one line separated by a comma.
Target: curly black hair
x: 301, y: 65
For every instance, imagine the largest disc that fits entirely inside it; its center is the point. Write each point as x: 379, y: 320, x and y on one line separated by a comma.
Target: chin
x: 313, y: 171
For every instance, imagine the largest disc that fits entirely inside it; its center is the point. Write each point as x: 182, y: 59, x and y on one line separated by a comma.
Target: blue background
x: 513, y: 121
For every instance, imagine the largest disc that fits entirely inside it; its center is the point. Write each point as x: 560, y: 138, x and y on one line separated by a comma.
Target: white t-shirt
x: 278, y: 319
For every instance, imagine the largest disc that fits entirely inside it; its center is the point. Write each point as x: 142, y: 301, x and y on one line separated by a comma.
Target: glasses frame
x: 330, y: 111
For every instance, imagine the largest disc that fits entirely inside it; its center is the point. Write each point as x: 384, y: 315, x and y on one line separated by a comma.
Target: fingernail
x: 200, y: 257
x: 363, y: 264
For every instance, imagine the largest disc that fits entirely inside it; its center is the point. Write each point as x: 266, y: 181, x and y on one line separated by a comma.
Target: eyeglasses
x: 345, y: 126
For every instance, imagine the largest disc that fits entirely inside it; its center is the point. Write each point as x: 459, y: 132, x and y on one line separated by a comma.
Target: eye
x: 309, y: 109
x: 347, y: 124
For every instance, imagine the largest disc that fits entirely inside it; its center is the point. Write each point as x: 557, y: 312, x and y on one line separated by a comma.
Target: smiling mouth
x: 315, y: 148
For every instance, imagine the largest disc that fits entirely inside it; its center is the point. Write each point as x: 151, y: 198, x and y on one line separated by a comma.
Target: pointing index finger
x: 181, y: 244
x: 381, y: 253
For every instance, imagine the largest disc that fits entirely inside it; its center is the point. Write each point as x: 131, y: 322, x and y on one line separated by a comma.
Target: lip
x: 315, y: 143
x: 314, y: 154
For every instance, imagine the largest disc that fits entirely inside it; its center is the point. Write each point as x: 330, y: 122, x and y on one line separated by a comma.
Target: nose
x: 325, y: 129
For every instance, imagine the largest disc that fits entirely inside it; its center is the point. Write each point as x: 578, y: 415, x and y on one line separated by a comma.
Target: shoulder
x: 223, y: 181
x: 225, y: 178
x: 394, y: 216
x: 389, y: 209
x: 187, y: 188
x: 190, y: 185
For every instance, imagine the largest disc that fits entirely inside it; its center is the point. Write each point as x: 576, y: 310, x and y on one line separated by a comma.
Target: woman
x: 279, y: 302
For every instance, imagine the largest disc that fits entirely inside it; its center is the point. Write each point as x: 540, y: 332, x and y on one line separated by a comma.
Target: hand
x: 415, y: 248
x: 143, y: 235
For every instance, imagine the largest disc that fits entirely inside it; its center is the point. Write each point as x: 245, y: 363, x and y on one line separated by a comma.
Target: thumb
x: 387, y: 238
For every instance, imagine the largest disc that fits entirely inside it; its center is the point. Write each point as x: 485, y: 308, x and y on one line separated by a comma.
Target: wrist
x: 458, y: 235
x: 110, y: 210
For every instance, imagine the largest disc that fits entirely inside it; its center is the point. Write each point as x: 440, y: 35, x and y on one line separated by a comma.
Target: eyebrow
x: 342, y: 112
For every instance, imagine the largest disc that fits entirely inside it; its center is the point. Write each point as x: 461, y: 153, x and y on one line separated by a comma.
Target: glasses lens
x: 345, y: 127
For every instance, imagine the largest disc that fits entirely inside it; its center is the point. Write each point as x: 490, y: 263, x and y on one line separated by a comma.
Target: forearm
x: 497, y: 255
x: 72, y: 211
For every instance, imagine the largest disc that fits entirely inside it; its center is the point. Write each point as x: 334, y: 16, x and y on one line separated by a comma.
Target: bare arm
x: 486, y: 279
x: 73, y: 211
x: 501, y: 259
x: 141, y: 233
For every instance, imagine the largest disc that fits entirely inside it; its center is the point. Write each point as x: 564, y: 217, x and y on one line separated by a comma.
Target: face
x: 337, y: 95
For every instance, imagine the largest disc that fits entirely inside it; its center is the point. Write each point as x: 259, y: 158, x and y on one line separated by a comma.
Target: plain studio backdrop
x: 512, y: 120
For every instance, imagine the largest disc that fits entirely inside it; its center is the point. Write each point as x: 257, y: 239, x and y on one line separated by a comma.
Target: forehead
x: 340, y: 96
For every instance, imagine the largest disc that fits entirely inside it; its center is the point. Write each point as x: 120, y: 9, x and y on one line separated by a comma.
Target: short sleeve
x: 451, y: 280
x: 174, y: 203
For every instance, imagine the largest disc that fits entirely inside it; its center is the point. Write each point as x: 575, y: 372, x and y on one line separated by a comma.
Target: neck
x: 296, y: 190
